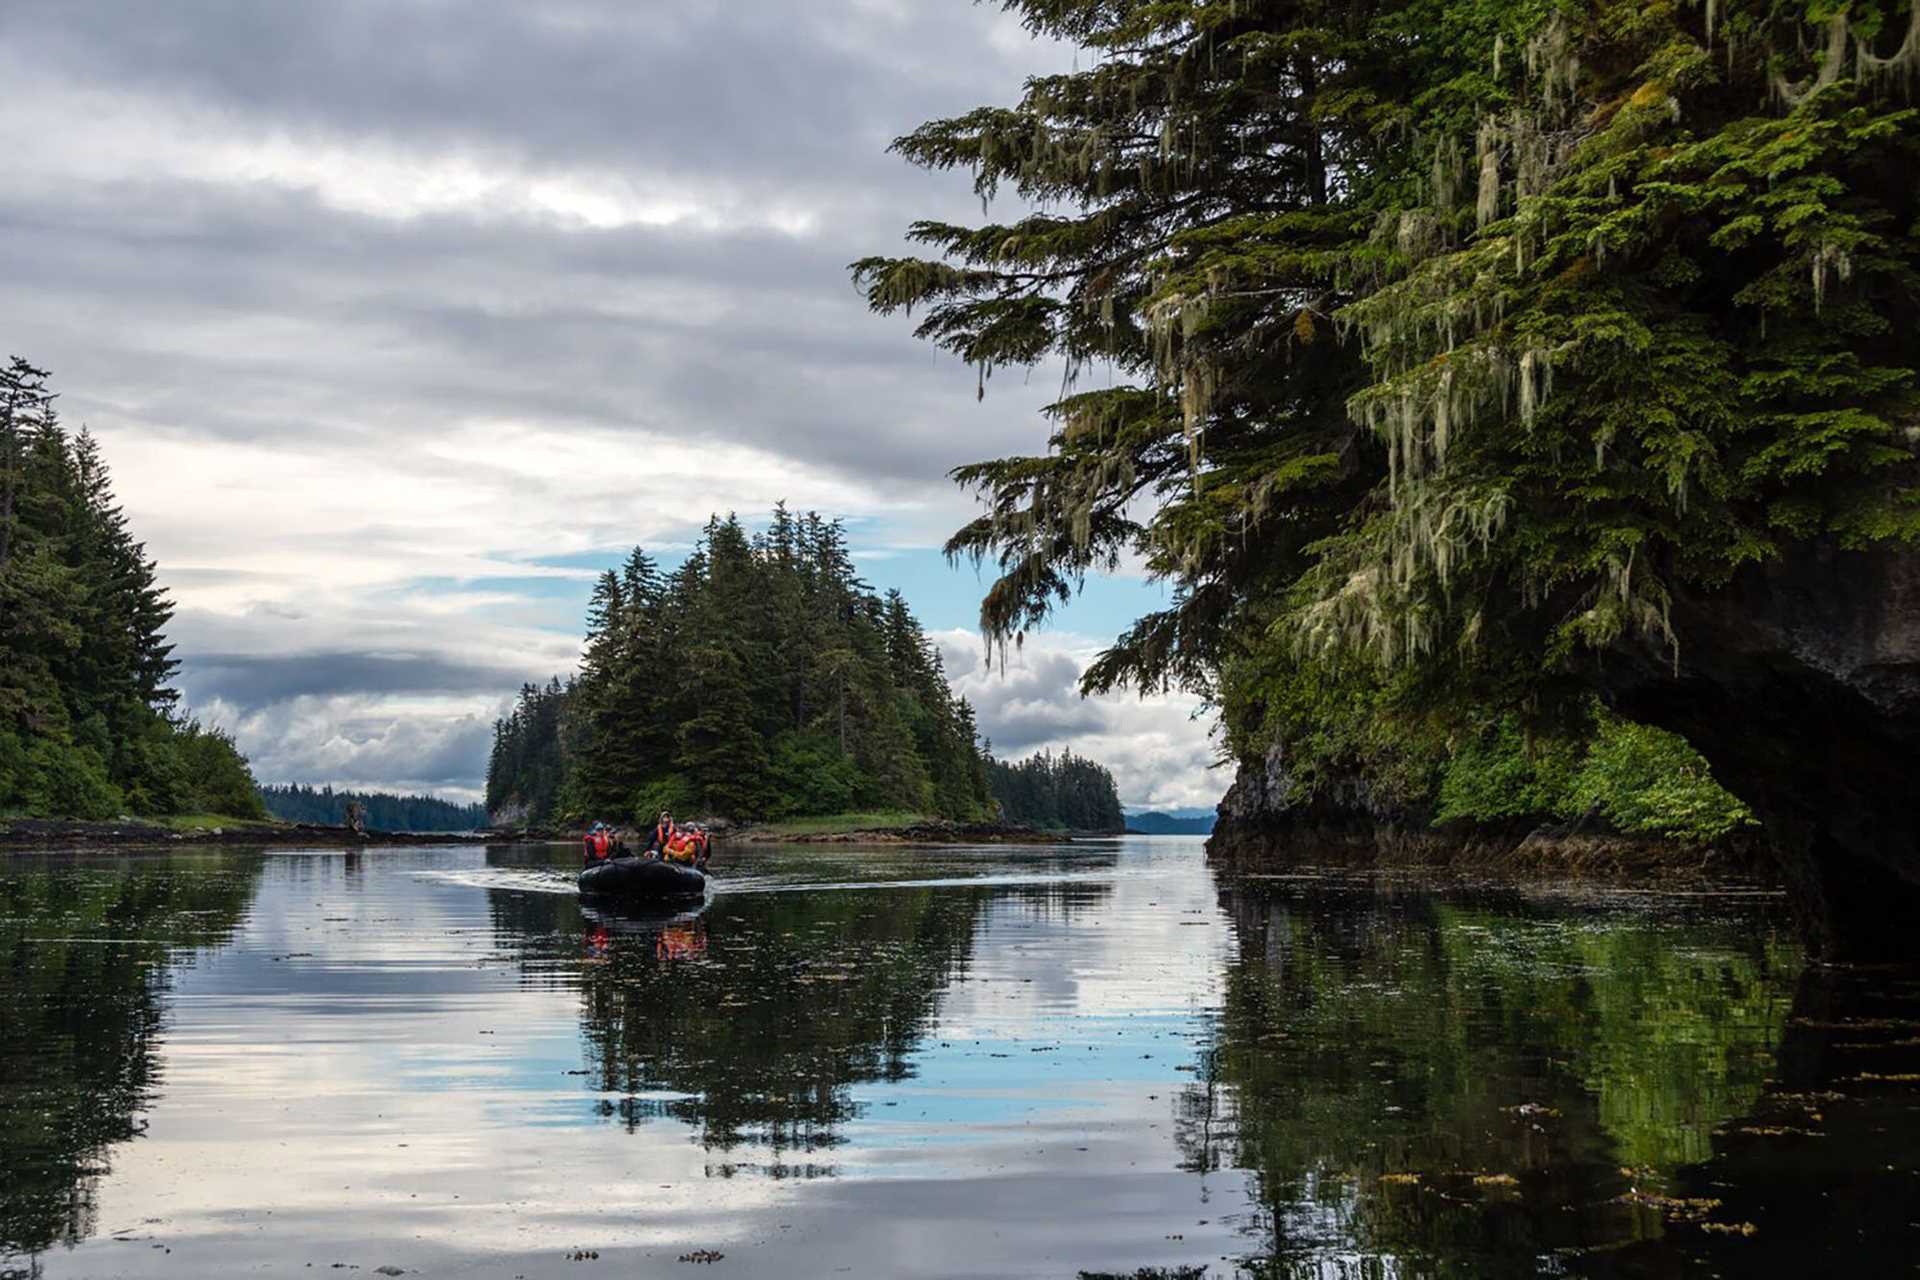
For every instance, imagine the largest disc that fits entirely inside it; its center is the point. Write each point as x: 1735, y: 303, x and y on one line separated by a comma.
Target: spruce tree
x: 89, y: 725
x: 1440, y: 344
x: 760, y: 678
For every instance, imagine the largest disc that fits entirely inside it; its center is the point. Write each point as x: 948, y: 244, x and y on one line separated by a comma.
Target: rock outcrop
x: 1800, y: 684
x: 1266, y: 808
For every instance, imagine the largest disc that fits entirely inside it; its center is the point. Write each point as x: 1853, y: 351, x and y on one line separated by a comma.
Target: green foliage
x: 64, y: 780
x: 88, y: 726
x: 1645, y: 779
x: 220, y: 780
x: 1063, y: 793
x: 673, y: 792
x: 1445, y: 337
x: 760, y: 678
x: 1500, y: 775
x: 1631, y: 777
x: 812, y: 775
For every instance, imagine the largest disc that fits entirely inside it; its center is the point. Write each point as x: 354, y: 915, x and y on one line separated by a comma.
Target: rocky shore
x: 65, y: 833
x: 930, y: 832
x: 1266, y: 825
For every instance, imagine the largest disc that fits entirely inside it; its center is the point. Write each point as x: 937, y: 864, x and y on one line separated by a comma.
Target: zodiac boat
x: 643, y: 880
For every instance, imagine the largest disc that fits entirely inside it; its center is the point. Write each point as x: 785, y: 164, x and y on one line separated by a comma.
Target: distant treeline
x: 1060, y: 792
x: 89, y: 727
x: 383, y: 811
x: 761, y: 678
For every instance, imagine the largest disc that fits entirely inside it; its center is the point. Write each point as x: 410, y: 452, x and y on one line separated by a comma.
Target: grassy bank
x: 837, y: 824
x: 892, y: 827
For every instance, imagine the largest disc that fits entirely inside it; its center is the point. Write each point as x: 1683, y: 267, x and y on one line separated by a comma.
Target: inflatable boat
x: 643, y: 880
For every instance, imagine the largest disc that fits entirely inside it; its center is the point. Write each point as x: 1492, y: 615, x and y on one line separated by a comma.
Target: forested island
x: 89, y: 724
x: 761, y: 678
x: 1521, y: 403
x: 379, y: 810
x: 1061, y: 792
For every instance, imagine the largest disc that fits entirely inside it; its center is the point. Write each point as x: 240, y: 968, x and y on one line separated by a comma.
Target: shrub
x: 1501, y: 775
x: 811, y: 775
x: 221, y: 781
x: 62, y: 780
x: 672, y: 791
x: 1646, y: 779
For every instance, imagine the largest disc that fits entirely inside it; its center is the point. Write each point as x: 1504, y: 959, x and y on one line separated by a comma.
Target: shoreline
x: 935, y: 832
x: 1519, y: 857
x: 43, y: 835
x: 53, y: 835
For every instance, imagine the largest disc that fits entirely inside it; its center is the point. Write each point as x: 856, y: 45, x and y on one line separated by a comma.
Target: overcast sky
x: 399, y: 319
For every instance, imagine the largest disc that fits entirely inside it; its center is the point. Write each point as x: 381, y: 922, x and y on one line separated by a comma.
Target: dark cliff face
x: 1266, y: 805
x: 1800, y: 684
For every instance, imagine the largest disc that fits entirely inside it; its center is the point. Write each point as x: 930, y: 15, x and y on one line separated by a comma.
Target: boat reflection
x: 677, y: 935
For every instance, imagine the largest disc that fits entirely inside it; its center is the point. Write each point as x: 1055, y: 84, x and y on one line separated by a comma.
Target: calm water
x: 1027, y: 1062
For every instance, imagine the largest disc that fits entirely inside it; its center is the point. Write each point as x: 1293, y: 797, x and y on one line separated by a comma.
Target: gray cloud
x: 1033, y: 704
x: 249, y: 682
x: 375, y: 304
x: 1160, y: 754
x: 350, y: 741
x: 770, y: 88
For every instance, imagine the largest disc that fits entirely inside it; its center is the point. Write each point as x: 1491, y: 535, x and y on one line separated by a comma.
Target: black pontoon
x: 642, y: 880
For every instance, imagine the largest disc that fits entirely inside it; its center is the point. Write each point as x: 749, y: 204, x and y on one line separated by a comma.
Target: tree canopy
x: 1062, y: 792
x: 382, y: 810
x: 761, y: 678
x: 89, y: 726
x: 1440, y: 341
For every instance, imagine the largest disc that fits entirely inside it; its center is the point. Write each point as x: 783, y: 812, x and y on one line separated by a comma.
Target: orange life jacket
x: 663, y: 834
x: 600, y: 841
x: 680, y: 848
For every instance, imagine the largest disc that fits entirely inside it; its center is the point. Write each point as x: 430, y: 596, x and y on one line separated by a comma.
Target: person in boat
x: 663, y: 833
x: 684, y: 847
x: 600, y: 844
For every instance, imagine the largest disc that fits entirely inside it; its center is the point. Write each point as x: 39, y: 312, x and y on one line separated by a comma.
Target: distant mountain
x: 1181, y: 822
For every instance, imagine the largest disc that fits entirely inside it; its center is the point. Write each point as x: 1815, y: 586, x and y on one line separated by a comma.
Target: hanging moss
x: 1356, y: 413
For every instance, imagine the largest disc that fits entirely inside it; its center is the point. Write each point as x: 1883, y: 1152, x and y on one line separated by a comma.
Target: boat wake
x: 519, y: 879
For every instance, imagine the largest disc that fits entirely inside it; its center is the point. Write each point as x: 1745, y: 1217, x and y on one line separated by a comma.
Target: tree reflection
x: 754, y: 1021
x: 795, y: 1001
x: 1474, y: 1087
x: 87, y: 951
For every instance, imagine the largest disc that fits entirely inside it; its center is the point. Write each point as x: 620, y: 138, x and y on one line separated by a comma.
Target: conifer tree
x: 89, y: 725
x: 1444, y: 342
x: 760, y: 678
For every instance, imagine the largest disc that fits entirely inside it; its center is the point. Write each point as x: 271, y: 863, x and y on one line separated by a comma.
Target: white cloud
x: 375, y: 345
x: 1158, y: 747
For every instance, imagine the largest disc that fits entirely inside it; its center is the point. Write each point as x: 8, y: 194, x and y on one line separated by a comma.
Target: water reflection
x: 87, y: 952
x: 1038, y: 1061
x: 754, y: 1020
x: 1487, y: 1085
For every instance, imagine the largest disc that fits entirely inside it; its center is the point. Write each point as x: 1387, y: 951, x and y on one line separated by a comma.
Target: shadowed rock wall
x: 1800, y: 684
